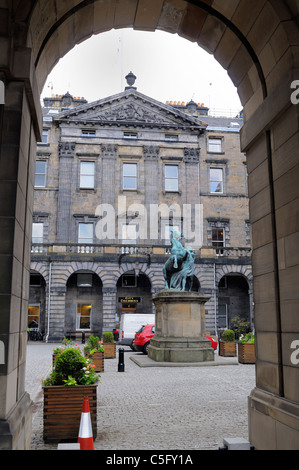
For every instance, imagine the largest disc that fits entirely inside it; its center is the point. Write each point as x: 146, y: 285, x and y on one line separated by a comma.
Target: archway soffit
x: 198, y: 3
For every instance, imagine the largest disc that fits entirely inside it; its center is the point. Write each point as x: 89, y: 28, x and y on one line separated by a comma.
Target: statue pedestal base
x: 180, y: 328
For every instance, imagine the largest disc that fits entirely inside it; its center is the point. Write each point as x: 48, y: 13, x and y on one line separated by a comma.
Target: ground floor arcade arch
x: 257, y: 44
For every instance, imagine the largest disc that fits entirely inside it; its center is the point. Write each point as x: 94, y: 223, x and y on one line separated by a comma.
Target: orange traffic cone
x: 85, y: 437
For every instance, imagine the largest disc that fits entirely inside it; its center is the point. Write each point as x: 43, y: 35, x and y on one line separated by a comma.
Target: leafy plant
x: 228, y: 335
x: 108, y: 337
x: 93, y: 345
x: 248, y: 338
x: 239, y: 325
x: 71, y: 369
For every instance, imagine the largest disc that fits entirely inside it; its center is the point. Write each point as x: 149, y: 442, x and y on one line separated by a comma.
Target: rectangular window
x: 45, y: 136
x: 129, y: 233
x: 215, y: 145
x: 40, y: 174
x: 87, y: 175
x: 33, y: 316
x: 129, y: 280
x: 83, y: 316
x: 88, y: 133
x: 130, y: 176
x: 85, y: 234
x: 37, y: 232
x: 84, y: 280
x: 218, y: 237
x: 130, y: 135
x: 171, y: 178
x: 216, y: 180
x: 171, y: 137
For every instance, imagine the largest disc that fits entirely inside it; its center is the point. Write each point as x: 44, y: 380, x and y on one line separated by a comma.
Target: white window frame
x: 37, y: 232
x: 87, y: 174
x: 215, y: 144
x: 78, y: 317
x: 132, y: 176
x: 85, y: 240
x: 168, y: 178
x: 44, y: 174
x: 88, y: 133
x: 213, y: 180
x: 214, y: 242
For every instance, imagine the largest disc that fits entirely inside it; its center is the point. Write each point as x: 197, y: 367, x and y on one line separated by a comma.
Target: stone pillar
x: 270, y: 139
x: 109, y: 308
x: 180, y: 328
x: 18, y: 133
x: 66, y: 158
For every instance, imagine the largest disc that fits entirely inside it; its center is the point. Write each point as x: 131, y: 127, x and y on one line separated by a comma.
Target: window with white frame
x: 83, y: 318
x: 37, y: 232
x: 218, y: 237
x: 40, y: 174
x: 85, y: 233
x: 87, y: 172
x: 215, y: 145
x: 130, y: 176
x: 216, y: 180
x: 33, y: 315
x: 88, y: 133
x: 130, y: 135
x: 171, y: 178
x: 129, y: 233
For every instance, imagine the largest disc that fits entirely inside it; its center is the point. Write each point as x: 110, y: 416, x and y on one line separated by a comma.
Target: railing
x: 133, y: 249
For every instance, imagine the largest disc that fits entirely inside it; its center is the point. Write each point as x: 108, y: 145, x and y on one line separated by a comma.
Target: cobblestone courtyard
x: 149, y: 408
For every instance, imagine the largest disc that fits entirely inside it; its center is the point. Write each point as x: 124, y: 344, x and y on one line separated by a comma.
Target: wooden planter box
x: 227, y: 348
x: 63, y: 409
x: 98, y: 360
x: 246, y: 353
x: 109, y: 350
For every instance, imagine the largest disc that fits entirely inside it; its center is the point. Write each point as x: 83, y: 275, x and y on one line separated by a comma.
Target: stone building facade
x: 112, y: 179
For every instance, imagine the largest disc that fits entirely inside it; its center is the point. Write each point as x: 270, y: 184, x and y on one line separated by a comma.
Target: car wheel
x: 145, y: 348
x: 132, y: 346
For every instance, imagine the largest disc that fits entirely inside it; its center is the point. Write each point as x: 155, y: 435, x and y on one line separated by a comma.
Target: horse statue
x: 179, y: 268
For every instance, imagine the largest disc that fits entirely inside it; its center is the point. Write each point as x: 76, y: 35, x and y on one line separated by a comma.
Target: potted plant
x: 66, y: 343
x: 227, y: 344
x: 72, y: 379
x: 94, y: 350
x: 246, y: 349
x: 109, y: 345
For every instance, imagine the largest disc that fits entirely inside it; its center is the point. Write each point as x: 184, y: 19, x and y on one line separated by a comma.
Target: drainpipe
x: 49, y: 300
x: 215, y: 299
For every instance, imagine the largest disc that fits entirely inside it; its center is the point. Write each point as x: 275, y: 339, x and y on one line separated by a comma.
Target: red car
x: 146, y: 332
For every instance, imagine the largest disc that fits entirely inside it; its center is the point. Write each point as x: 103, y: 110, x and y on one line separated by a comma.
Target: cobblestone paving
x: 146, y: 408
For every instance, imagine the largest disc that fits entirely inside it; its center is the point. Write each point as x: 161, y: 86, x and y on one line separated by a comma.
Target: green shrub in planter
x: 108, y: 337
x: 228, y: 335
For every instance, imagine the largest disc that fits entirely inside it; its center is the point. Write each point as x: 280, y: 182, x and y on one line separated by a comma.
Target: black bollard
x: 121, y: 362
x: 83, y: 337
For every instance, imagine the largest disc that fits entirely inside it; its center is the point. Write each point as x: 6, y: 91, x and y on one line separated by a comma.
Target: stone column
x: 270, y: 139
x: 151, y: 171
x: 66, y: 158
x: 109, y: 308
x: 19, y: 130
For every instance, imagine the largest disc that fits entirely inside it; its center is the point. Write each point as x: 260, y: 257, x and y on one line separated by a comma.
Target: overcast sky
x: 168, y: 68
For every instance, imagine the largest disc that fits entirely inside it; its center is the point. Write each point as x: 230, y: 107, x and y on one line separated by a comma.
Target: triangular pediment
x: 129, y: 107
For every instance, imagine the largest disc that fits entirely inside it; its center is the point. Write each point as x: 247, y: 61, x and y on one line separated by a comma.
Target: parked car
x: 143, y: 337
x: 146, y: 332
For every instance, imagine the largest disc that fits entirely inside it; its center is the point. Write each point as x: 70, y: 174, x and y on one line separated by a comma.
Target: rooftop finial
x: 130, y: 81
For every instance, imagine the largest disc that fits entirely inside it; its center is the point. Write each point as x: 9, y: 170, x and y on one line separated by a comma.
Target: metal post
x: 83, y: 337
x: 121, y: 362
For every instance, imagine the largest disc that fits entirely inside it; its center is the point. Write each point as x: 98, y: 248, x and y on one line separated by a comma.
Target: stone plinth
x: 180, y: 328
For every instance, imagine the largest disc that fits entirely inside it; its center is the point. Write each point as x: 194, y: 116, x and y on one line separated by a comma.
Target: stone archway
x: 256, y: 42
